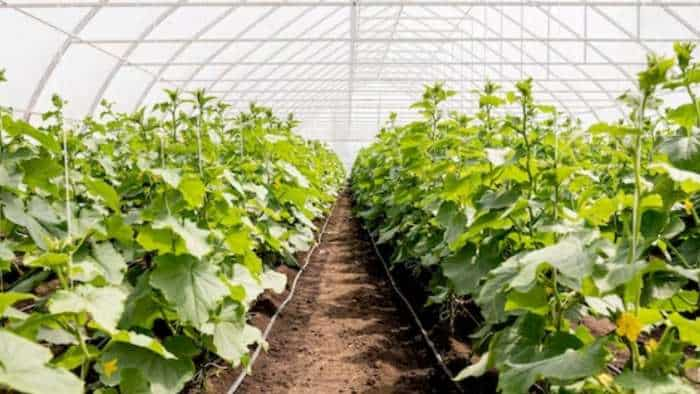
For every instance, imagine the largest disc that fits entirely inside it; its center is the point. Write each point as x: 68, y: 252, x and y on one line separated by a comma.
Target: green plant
x: 133, y: 246
x: 553, y: 231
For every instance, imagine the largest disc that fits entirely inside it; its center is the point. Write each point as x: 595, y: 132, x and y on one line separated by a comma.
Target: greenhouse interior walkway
x: 342, y: 332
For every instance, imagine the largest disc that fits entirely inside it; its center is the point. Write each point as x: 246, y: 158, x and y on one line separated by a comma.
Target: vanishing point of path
x: 343, y: 332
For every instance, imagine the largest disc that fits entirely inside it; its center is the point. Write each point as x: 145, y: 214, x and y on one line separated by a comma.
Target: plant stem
x: 69, y: 213
x: 636, y: 214
x: 696, y: 105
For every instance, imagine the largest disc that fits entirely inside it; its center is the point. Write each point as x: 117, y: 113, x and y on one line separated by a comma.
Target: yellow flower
x: 688, y: 206
x: 110, y: 367
x: 605, y: 379
x: 651, y: 345
x: 628, y: 326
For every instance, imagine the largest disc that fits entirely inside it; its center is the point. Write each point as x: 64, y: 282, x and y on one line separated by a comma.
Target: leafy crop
x: 579, y: 248
x: 133, y: 245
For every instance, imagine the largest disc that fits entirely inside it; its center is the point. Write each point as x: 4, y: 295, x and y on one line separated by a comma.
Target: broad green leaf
x: 689, y: 329
x: 242, y: 278
x: 688, y: 180
x: 535, y: 301
x: 193, y: 190
x: 133, y: 381
x: 239, y: 242
x: 112, y: 264
x: 143, y: 341
x: 614, y: 130
x: 640, y: 383
x: 104, y: 191
x: 191, y: 287
x: 104, y: 304
x: 74, y: 357
x: 24, y: 367
x: 232, y: 339
x: 9, y: 298
x: 21, y: 128
x: 40, y: 171
x: 195, y: 238
x: 684, y: 115
x: 170, y: 176
x: 683, y: 152
x: 48, y: 260
x: 474, y: 370
x: 13, y: 208
x: 571, y: 365
x: 571, y: 256
x: 274, y: 281
x: 166, y: 376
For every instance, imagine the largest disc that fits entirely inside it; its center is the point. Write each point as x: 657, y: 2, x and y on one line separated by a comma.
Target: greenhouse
x: 378, y: 196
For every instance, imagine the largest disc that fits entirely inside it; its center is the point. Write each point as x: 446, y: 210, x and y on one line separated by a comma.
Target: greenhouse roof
x: 340, y: 66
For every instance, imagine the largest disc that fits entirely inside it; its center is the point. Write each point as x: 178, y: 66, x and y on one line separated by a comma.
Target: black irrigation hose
x: 430, y: 343
x: 241, y: 377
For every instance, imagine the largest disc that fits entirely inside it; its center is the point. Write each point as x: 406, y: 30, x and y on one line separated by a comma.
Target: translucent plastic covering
x: 340, y: 66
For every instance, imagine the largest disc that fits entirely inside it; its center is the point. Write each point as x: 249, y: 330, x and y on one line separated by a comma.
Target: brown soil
x: 343, y: 332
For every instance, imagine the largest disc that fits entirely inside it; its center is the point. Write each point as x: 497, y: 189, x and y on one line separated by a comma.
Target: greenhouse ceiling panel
x: 340, y: 66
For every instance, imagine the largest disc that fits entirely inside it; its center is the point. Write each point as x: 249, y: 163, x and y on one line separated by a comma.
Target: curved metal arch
x: 549, y: 48
x: 57, y: 57
x: 596, y: 50
x: 323, y: 47
x: 179, y: 51
x: 148, y: 30
x: 260, y: 45
x: 499, y: 55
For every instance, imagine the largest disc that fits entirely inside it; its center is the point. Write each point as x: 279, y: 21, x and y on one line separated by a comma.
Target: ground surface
x: 343, y: 332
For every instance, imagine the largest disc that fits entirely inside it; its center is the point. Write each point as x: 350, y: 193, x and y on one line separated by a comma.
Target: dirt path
x: 343, y: 332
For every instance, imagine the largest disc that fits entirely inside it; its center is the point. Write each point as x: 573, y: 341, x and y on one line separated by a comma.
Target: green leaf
x: 494, y: 101
x: 112, y: 264
x: 24, y: 367
x: 143, y: 341
x: 170, y: 176
x: 640, y: 383
x: 40, y: 171
x: 193, y: 190
x: 571, y: 256
x: 74, y: 357
x: 47, y: 260
x: 195, y: 238
x: 104, y: 191
x: 9, y: 298
x: 133, y: 381
x: 615, y: 130
x: 689, y: 330
x: 536, y: 301
x: 104, y: 304
x: 191, y: 287
x: 239, y: 242
x: 165, y: 376
x: 18, y: 127
x: 571, y: 365
x: 683, y: 152
x: 232, y: 339
x: 474, y: 370
x: 684, y: 115
x: 688, y: 180
x: 13, y: 208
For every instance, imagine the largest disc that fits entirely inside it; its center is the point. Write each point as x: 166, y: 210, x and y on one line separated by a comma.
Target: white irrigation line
x: 237, y: 383
x: 430, y: 343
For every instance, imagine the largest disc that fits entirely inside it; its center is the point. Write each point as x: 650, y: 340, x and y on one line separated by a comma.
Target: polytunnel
x: 341, y: 66
x: 349, y: 196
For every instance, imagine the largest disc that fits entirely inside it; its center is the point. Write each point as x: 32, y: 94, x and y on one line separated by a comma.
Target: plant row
x: 576, y: 252
x: 132, y: 246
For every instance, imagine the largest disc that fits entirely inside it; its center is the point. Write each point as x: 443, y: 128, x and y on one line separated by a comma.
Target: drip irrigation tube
x: 426, y: 337
x: 237, y: 383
